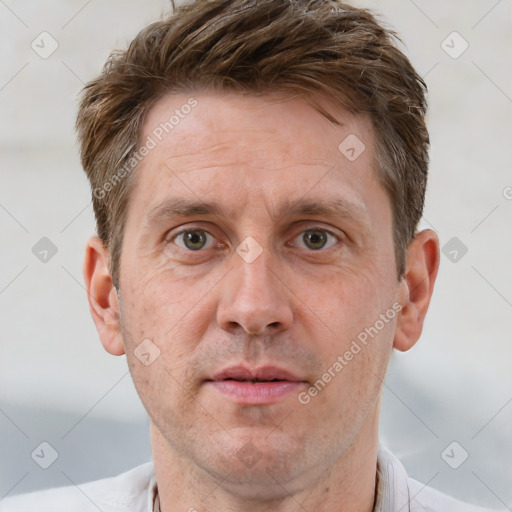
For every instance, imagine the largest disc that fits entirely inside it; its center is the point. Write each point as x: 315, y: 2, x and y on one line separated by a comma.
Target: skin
x: 298, y: 305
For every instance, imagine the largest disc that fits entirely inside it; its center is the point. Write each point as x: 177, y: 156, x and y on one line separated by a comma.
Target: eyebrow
x: 175, y: 207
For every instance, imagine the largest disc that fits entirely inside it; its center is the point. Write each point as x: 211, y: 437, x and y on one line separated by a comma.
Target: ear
x: 102, y: 296
x: 416, y: 288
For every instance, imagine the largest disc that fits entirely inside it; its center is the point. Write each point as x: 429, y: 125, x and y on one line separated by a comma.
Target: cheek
x: 351, y: 300
x: 356, y: 351
x: 164, y: 396
x: 156, y: 300
x: 346, y: 391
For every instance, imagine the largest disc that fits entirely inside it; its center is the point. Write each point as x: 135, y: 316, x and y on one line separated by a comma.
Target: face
x: 256, y: 249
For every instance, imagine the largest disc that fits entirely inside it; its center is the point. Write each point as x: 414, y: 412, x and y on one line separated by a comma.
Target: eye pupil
x: 194, y: 240
x: 314, y: 239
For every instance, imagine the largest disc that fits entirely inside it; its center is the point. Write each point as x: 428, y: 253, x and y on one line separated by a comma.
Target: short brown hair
x: 306, y: 47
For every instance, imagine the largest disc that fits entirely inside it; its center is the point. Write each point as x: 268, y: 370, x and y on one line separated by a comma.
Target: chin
x: 263, y: 481
x: 258, y: 466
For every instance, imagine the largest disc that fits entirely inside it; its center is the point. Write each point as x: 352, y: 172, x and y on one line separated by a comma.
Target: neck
x: 347, y: 484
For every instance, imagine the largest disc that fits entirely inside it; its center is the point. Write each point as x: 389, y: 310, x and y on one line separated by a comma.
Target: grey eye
x: 316, y: 239
x: 192, y: 239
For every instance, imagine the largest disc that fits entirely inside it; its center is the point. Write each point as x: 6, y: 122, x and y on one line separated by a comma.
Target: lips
x: 261, y: 374
x: 255, y: 386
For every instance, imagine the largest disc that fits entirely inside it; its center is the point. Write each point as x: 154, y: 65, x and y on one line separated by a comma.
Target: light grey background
x: 59, y: 385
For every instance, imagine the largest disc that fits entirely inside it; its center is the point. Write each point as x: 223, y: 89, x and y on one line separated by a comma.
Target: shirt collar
x: 153, y: 503
x: 393, y: 488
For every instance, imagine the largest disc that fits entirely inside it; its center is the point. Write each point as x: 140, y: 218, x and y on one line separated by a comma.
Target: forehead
x: 243, y: 150
x: 222, y: 123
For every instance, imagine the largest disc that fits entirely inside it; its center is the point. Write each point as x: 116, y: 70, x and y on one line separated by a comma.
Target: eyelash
x: 172, y: 238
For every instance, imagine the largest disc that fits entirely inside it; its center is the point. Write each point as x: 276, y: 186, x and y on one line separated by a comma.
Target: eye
x: 316, y: 239
x: 194, y: 239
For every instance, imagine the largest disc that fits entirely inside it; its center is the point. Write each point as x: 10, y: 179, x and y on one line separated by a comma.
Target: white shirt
x: 136, y: 491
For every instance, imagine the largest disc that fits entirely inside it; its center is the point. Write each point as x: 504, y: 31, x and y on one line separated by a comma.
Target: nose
x: 254, y: 299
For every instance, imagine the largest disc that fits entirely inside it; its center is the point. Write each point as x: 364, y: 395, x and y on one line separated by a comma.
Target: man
x: 258, y: 172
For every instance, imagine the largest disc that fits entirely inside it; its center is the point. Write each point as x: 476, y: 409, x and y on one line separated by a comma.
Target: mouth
x: 258, y: 386
x: 254, y: 381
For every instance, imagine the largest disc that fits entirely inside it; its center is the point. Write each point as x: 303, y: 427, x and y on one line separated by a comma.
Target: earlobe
x: 102, y: 296
x: 416, y: 288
